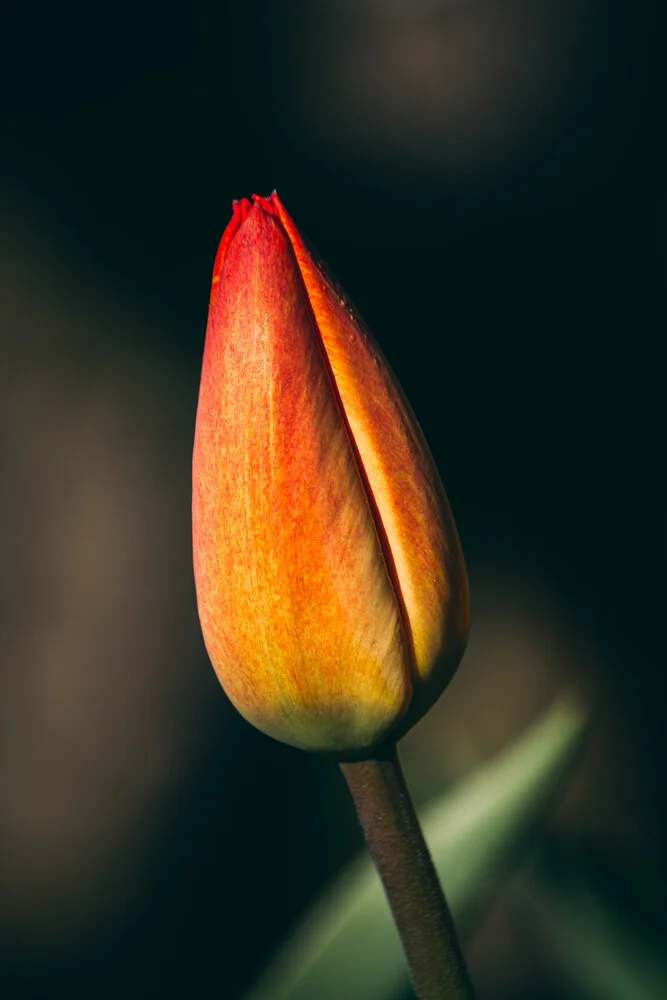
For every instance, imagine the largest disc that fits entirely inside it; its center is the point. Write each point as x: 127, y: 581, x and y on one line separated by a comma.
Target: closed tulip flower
x: 331, y: 586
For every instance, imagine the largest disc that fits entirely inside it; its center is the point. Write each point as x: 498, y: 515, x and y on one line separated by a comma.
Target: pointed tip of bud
x: 242, y: 207
x: 266, y: 204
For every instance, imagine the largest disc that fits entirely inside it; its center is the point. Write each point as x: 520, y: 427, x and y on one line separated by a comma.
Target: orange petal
x: 297, y: 605
x: 416, y: 520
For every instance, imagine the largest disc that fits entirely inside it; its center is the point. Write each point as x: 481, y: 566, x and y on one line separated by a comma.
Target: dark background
x: 486, y: 179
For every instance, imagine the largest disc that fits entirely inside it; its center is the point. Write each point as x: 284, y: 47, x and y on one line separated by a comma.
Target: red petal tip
x: 241, y: 208
x: 266, y: 204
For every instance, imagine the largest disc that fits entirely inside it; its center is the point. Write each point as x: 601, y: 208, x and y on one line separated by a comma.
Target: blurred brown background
x: 486, y: 179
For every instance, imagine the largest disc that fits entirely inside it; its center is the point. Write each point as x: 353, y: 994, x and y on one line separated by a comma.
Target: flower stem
x: 403, y: 861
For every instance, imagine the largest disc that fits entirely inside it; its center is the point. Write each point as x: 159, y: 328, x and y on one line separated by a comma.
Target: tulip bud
x: 331, y: 586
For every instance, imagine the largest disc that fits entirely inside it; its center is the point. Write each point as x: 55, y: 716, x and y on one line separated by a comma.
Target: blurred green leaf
x: 347, y: 944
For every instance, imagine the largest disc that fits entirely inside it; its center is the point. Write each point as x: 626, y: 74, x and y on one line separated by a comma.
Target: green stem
x: 403, y: 861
